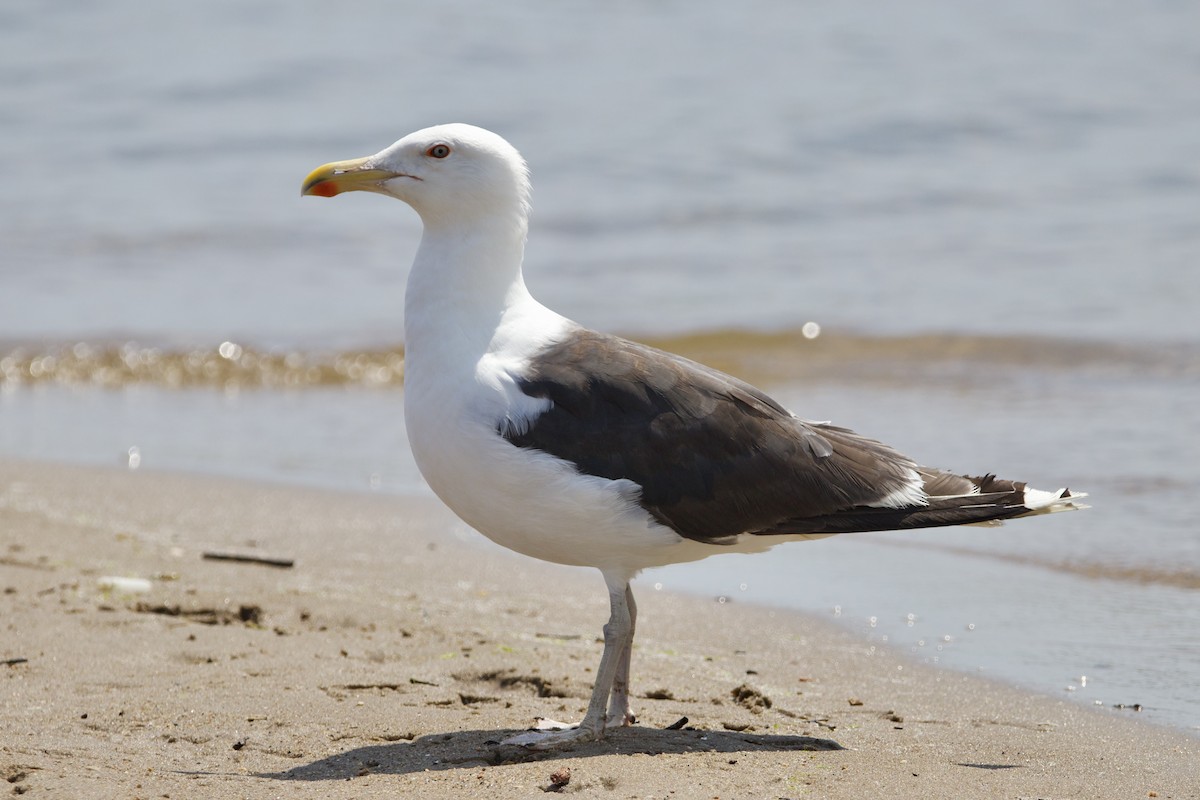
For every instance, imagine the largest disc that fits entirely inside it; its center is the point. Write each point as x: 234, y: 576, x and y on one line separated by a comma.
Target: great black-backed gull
x: 582, y: 448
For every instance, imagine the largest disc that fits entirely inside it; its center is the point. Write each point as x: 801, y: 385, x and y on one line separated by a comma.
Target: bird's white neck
x: 462, y: 285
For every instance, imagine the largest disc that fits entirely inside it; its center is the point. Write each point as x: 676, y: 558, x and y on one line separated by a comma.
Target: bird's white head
x: 450, y: 174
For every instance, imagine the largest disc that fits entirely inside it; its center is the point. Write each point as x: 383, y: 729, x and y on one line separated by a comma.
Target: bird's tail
x: 986, y: 500
x: 952, y: 500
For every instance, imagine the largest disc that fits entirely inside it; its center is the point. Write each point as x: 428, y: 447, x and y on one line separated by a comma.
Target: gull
x: 583, y: 448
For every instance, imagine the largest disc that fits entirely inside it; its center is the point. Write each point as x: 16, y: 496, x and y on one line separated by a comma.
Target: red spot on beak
x: 324, y: 189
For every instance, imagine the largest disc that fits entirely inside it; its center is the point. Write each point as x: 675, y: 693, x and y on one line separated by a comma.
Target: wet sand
x: 395, y: 652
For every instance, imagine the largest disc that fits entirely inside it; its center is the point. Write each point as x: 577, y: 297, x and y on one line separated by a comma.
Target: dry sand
x: 397, y: 650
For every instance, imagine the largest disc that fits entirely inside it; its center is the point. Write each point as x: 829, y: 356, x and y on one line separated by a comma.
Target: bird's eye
x: 438, y: 151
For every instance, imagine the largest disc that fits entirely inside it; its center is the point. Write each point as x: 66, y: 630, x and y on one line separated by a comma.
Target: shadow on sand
x: 473, y: 749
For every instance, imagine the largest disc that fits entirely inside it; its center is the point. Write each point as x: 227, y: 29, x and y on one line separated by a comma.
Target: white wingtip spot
x: 1039, y: 501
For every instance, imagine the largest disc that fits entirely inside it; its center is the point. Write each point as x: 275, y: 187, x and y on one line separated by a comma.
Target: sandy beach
x: 395, y: 652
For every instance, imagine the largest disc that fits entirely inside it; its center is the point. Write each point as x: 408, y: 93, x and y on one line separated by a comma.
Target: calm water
x: 1024, y: 175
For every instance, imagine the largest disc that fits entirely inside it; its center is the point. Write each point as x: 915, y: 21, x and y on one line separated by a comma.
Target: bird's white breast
x: 457, y: 403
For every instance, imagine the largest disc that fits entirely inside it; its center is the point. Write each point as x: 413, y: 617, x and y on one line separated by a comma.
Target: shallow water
x: 990, y: 211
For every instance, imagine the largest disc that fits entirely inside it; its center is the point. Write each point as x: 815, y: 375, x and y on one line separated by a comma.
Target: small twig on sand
x: 246, y: 558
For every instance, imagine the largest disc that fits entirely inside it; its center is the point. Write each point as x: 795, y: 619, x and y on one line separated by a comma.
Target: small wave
x: 792, y: 354
x: 226, y: 365
x: 763, y: 357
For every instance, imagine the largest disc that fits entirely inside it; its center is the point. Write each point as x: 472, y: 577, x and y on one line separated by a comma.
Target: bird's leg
x: 618, y: 638
x: 619, y: 712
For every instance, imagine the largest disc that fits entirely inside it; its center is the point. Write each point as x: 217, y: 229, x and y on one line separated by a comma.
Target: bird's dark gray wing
x: 714, y: 456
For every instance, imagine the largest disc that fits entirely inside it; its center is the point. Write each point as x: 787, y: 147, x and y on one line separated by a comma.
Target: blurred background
x: 970, y: 230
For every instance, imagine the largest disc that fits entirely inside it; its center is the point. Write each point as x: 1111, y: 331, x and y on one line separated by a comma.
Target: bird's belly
x: 535, y: 503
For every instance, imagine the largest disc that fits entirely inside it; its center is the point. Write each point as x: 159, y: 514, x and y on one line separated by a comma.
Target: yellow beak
x: 328, y: 180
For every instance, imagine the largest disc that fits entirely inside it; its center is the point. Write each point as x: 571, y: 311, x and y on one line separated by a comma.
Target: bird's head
x: 447, y: 173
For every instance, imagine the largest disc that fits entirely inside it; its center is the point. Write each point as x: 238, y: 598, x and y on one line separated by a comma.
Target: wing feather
x: 714, y: 456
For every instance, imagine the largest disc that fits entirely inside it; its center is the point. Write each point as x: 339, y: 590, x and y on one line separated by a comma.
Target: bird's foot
x: 551, y: 735
x: 619, y: 719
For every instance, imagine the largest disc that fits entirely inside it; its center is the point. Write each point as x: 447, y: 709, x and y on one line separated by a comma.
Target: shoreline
x: 396, y: 648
